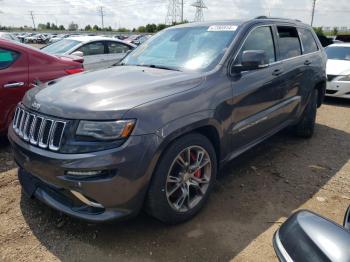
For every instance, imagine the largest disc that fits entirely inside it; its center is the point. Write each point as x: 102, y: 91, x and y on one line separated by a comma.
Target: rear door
x: 13, y: 83
x: 290, y: 54
x: 312, y: 60
x: 94, y: 55
x: 115, y: 52
x: 258, y: 93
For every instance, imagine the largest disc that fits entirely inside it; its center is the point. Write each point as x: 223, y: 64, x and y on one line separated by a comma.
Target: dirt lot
x: 255, y: 193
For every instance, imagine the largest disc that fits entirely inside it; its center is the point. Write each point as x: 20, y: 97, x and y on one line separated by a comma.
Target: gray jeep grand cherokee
x: 153, y: 131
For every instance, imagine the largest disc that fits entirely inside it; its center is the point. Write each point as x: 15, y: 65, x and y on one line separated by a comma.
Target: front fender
x: 187, y: 124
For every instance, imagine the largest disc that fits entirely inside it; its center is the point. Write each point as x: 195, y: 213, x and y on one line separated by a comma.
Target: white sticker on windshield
x: 218, y: 28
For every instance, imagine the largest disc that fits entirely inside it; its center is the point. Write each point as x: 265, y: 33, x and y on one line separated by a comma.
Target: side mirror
x: 346, y: 222
x: 78, y: 53
x: 306, y: 236
x: 252, y: 60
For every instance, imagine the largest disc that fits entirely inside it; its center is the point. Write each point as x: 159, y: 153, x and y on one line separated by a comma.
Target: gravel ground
x: 255, y: 193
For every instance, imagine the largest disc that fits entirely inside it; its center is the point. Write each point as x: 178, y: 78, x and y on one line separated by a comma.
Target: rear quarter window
x: 308, y: 41
x: 289, y: 42
x: 7, y: 58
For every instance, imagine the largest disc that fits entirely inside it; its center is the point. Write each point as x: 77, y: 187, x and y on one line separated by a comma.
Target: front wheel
x: 183, y: 179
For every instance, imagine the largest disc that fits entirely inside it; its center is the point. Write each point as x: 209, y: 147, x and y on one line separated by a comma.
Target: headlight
x: 106, y: 130
x: 344, y: 78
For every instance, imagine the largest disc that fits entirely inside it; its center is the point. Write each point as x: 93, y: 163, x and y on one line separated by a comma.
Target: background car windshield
x: 189, y: 48
x: 61, y: 47
x: 338, y: 53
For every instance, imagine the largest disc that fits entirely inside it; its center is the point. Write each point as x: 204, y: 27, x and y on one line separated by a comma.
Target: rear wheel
x: 306, y: 126
x: 183, y: 179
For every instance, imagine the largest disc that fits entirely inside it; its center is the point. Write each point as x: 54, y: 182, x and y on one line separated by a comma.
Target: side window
x: 7, y: 58
x: 289, y: 42
x: 259, y: 39
x: 94, y: 48
x: 117, y: 48
x: 308, y: 41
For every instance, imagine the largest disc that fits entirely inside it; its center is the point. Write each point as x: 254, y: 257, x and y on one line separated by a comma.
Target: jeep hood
x: 109, y: 93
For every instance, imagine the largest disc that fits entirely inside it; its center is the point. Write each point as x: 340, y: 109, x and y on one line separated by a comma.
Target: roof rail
x: 261, y: 17
x: 276, y: 18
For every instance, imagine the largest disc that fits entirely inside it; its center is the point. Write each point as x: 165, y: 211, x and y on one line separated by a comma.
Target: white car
x: 98, y: 52
x: 8, y: 36
x: 338, y: 70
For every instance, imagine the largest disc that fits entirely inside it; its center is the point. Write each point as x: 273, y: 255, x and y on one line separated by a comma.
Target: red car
x: 21, y: 67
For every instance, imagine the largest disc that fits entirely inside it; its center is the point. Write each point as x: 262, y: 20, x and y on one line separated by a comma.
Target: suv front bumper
x: 43, y: 174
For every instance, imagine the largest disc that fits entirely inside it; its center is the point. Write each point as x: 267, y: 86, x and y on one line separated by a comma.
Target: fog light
x: 84, y: 173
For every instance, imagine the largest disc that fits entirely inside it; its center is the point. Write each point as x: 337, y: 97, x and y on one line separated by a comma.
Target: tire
x: 160, y: 202
x: 306, y: 126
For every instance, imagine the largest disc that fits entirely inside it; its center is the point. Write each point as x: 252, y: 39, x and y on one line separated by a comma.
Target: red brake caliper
x: 198, y: 173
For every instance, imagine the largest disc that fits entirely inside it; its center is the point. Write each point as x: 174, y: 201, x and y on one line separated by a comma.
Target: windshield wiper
x: 160, y: 67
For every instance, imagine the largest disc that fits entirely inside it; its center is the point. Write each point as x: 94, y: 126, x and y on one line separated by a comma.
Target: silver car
x: 98, y: 52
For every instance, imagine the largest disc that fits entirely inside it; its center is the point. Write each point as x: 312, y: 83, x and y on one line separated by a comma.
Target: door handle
x: 307, y: 62
x: 277, y: 72
x: 12, y: 85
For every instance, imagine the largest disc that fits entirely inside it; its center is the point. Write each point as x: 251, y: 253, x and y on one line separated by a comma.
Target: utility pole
x: 102, y: 15
x: 313, y: 12
x: 182, y: 11
x: 31, y: 14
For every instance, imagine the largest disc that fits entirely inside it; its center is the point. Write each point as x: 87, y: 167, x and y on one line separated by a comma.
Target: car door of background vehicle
x: 13, y: 83
x: 94, y: 55
x: 115, y: 52
x: 258, y: 94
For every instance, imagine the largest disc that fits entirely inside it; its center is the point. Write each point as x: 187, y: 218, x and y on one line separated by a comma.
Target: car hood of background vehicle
x: 108, y: 94
x: 338, y: 67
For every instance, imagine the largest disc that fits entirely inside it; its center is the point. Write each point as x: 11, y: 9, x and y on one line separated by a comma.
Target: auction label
x: 218, y: 28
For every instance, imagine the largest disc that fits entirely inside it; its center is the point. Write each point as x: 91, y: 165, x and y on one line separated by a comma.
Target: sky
x: 133, y: 13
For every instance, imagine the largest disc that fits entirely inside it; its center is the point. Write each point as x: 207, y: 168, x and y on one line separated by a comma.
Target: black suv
x: 153, y: 131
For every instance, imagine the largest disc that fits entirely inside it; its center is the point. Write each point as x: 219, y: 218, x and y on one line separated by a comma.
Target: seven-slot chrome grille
x: 38, y: 130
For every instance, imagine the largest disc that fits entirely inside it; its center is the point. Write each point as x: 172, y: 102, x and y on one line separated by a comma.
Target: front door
x: 94, y: 55
x: 13, y: 83
x: 258, y: 94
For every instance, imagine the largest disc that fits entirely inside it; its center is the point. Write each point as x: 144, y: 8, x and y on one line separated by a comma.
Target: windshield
x: 60, y: 47
x: 188, y: 48
x: 338, y: 53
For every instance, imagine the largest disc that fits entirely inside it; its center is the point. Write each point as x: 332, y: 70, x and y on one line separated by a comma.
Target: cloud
x: 133, y: 13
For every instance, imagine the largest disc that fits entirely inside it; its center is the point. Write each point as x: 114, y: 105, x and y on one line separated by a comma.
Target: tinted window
x: 308, y: 41
x: 260, y: 39
x: 116, y: 48
x: 288, y: 42
x: 338, y: 52
x: 61, y: 46
x: 7, y: 58
x: 94, y: 48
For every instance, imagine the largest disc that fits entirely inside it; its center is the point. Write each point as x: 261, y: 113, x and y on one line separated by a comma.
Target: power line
x: 313, y: 12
